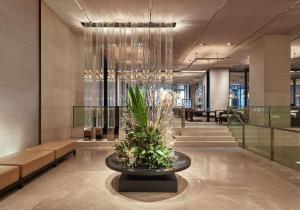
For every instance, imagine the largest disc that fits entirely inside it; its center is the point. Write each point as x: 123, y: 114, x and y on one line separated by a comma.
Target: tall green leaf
x: 137, y: 106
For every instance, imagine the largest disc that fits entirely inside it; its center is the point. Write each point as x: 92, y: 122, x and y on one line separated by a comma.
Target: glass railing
x: 235, y: 119
x: 179, y: 117
x: 237, y: 132
x: 98, y: 121
x: 108, y: 122
x: 287, y: 148
x: 258, y: 139
x: 265, y: 135
x: 93, y: 116
x: 275, y: 116
x: 88, y: 116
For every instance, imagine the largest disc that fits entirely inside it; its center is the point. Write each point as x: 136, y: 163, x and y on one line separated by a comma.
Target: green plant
x: 137, y: 106
x: 143, y: 146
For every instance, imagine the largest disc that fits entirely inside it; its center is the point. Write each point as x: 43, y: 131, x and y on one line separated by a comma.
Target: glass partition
x: 287, y: 148
x: 272, y: 134
x: 280, y: 117
x: 88, y: 116
x: 79, y: 114
x: 237, y: 132
x: 275, y: 116
x: 111, y: 117
x: 259, y: 115
x: 91, y: 120
x: 179, y: 117
x: 258, y: 140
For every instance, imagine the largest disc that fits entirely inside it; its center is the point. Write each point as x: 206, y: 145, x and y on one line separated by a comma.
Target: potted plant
x: 148, y: 142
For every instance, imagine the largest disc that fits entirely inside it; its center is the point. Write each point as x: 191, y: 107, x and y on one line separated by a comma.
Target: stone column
x: 219, y: 89
x: 270, y: 79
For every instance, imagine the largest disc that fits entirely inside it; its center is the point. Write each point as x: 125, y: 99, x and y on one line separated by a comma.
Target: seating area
x: 17, y: 168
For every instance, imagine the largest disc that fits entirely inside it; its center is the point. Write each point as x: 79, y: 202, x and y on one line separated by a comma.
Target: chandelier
x: 133, y: 51
x: 124, y: 52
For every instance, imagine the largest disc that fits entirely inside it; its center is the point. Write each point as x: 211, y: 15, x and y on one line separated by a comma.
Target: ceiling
x: 213, y: 22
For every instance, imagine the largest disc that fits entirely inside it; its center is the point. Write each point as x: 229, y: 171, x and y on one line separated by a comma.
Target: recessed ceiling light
x: 202, y: 44
x: 229, y: 43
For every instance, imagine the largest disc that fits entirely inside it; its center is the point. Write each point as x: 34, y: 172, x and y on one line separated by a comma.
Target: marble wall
x: 19, y: 94
x: 62, y: 84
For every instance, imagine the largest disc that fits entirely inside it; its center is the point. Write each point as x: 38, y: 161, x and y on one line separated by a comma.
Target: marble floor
x: 219, y: 178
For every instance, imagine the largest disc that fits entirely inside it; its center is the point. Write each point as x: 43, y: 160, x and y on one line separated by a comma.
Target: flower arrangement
x: 148, y: 142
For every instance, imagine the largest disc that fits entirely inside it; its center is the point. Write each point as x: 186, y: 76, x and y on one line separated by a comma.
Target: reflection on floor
x: 219, y: 178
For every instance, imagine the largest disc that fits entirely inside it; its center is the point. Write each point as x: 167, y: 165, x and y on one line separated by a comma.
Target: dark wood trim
x: 207, y: 90
x: 105, y: 102
x: 40, y: 72
x: 116, y: 131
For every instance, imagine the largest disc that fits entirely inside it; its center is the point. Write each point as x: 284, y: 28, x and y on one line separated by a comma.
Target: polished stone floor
x: 219, y: 178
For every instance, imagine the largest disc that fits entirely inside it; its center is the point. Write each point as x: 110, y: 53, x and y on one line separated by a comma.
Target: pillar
x: 219, y: 89
x: 270, y: 79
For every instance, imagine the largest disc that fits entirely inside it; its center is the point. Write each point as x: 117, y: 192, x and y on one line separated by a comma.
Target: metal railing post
x: 269, y: 115
x: 243, y: 137
x: 228, y: 123
x: 272, y: 145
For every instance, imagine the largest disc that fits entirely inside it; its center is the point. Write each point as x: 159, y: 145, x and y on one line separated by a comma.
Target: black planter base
x: 148, y: 180
x: 162, y: 183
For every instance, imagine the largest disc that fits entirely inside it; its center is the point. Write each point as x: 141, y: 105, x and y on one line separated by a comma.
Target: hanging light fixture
x: 169, y: 53
x: 139, y: 60
x: 145, y: 49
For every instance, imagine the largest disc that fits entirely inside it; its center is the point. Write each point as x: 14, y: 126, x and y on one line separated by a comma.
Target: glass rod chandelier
x: 133, y: 52
x: 129, y: 49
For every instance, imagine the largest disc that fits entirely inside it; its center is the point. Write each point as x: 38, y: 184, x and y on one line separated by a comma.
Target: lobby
x: 147, y: 104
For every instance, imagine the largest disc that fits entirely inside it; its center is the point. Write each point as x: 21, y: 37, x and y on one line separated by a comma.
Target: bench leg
x: 55, y: 163
x: 21, y: 184
x: 74, y: 152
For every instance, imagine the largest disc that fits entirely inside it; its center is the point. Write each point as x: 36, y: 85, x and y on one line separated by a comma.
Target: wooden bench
x: 16, y: 168
x: 30, y: 162
x: 60, y: 148
x: 9, y: 178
